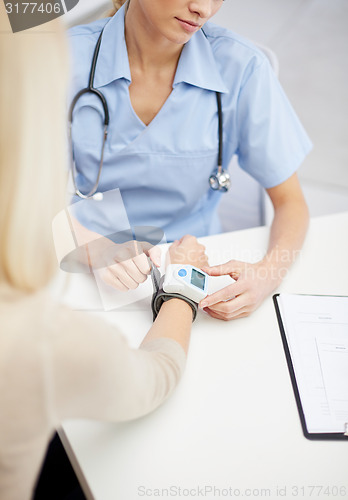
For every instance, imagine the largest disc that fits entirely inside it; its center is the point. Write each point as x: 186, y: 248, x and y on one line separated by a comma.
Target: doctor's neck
x: 117, y: 5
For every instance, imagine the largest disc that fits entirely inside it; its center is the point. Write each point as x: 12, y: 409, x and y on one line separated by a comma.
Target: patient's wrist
x: 160, y: 297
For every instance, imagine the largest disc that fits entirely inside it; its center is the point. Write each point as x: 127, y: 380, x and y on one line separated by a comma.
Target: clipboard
x: 288, y: 326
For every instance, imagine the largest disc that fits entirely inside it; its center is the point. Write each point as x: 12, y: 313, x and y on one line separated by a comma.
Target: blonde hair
x: 117, y: 5
x: 33, y: 73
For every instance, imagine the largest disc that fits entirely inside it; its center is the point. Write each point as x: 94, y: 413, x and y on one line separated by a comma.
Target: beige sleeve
x: 95, y: 374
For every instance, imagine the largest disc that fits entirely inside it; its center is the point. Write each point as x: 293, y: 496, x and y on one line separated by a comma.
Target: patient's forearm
x: 174, y: 321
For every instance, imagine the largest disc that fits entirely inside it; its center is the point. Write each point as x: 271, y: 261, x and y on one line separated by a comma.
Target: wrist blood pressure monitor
x: 186, y: 280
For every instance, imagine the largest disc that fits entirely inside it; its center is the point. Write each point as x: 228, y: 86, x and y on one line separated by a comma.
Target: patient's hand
x: 187, y: 250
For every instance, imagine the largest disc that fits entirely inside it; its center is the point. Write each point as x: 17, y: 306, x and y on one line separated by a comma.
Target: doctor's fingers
x: 126, y: 273
x: 232, y: 309
x: 225, y: 294
x: 110, y: 279
x: 138, y: 251
x: 229, y: 307
x: 234, y: 268
x: 142, y: 263
x: 137, y: 268
x: 240, y: 313
x: 126, y: 251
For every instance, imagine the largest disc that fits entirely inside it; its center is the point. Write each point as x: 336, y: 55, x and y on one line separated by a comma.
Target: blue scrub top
x: 162, y: 169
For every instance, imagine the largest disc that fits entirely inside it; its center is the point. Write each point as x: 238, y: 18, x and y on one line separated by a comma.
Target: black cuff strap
x: 159, y: 296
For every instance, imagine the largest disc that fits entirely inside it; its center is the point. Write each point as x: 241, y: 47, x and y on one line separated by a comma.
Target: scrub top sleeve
x: 272, y: 143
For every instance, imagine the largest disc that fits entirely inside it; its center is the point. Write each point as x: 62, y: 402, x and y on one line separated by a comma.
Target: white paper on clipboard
x: 316, y: 330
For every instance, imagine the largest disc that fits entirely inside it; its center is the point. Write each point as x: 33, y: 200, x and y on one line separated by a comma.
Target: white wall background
x: 310, y: 38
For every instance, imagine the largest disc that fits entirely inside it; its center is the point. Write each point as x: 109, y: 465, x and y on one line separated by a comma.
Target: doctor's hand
x: 124, y: 266
x: 131, y: 265
x: 187, y: 250
x: 253, y: 283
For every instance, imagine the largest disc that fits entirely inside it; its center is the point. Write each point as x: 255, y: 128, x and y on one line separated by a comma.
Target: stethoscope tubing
x: 218, y: 181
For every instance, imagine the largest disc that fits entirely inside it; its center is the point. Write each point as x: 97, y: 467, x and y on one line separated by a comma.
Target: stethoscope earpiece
x: 98, y: 196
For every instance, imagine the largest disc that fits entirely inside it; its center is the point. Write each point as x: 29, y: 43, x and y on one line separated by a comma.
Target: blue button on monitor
x: 182, y: 272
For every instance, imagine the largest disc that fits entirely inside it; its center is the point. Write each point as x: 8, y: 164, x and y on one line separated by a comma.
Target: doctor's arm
x: 256, y: 281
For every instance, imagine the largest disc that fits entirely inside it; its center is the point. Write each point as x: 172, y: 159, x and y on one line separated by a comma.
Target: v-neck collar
x: 197, y: 65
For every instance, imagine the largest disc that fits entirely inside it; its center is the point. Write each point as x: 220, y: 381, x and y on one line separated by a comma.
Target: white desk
x: 232, y: 423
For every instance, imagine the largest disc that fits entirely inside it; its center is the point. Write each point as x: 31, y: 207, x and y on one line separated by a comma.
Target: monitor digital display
x: 197, y: 279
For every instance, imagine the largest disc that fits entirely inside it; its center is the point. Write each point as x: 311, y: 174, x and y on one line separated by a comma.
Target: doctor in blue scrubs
x: 160, y: 67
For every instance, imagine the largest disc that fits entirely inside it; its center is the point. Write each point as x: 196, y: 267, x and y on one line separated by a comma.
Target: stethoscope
x: 219, y: 180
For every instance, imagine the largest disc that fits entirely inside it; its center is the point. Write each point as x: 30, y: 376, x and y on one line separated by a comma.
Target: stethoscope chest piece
x: 220, y: 181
